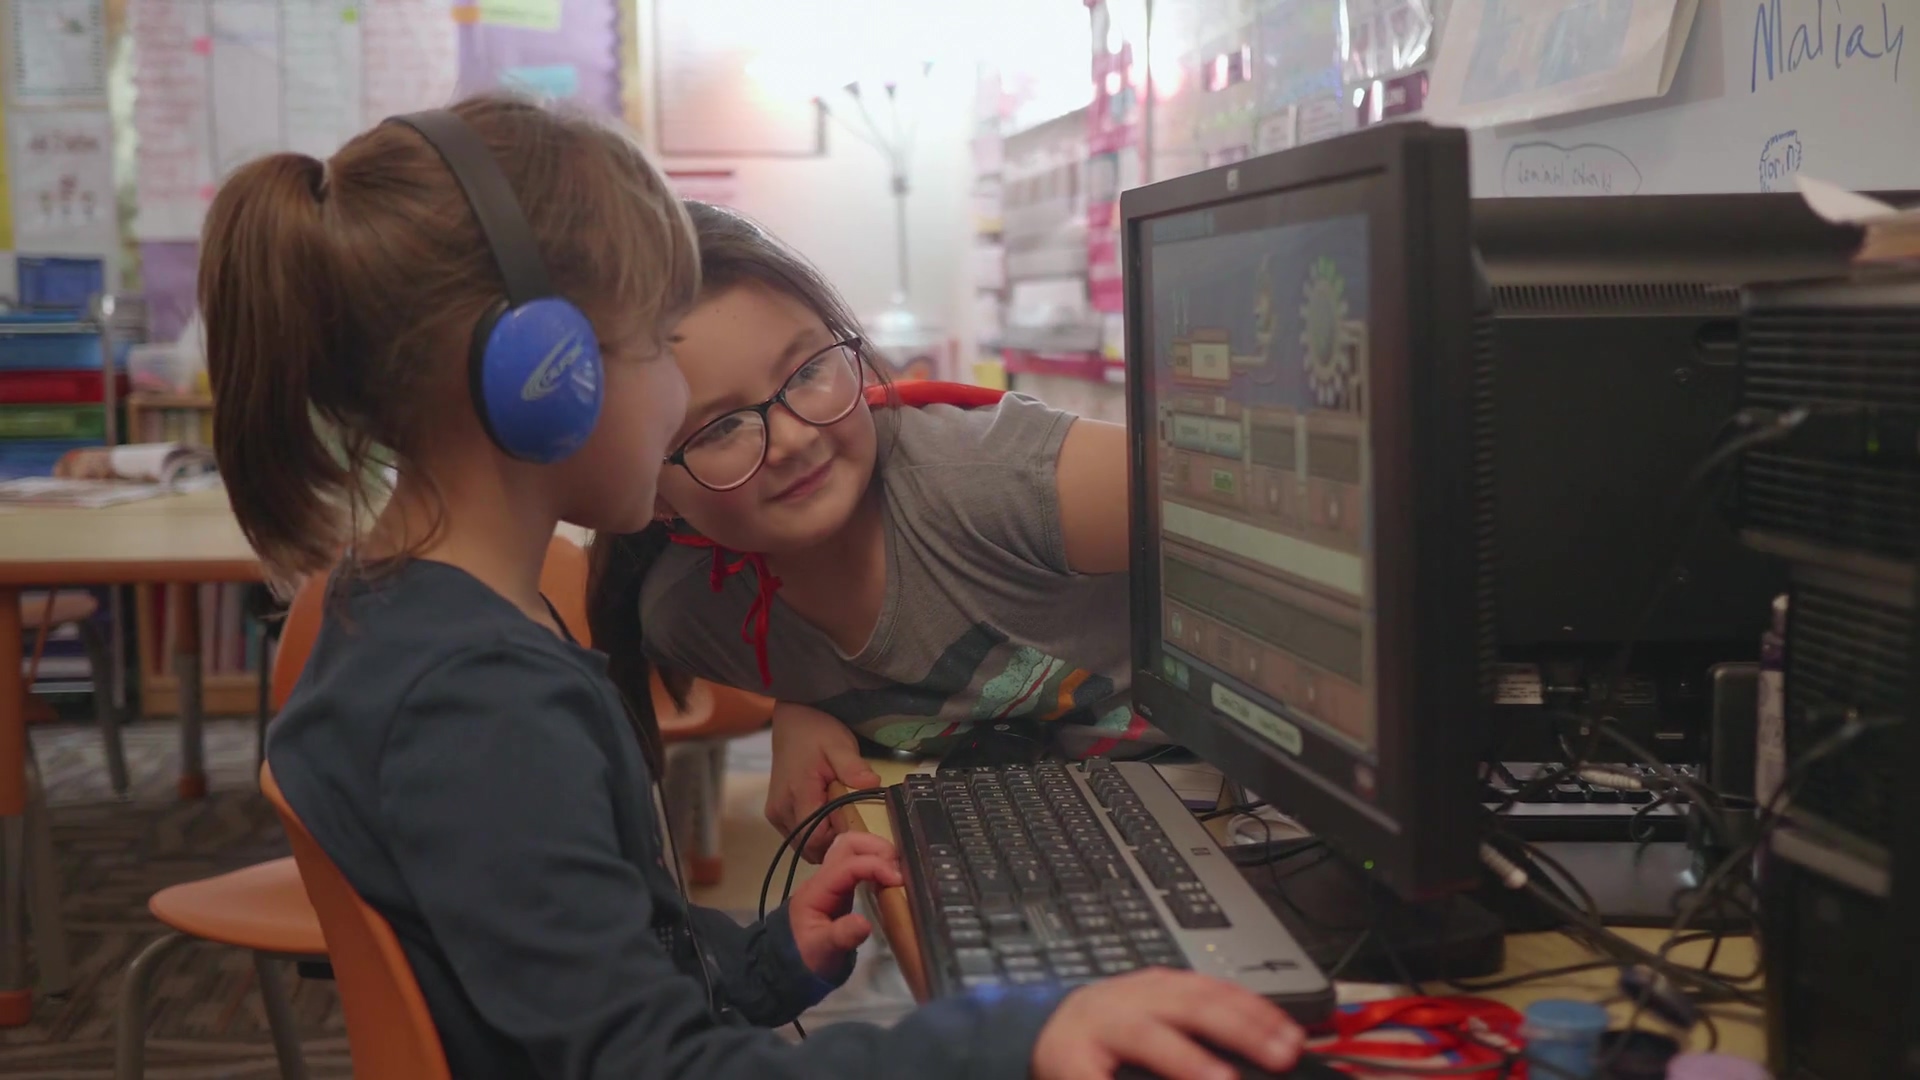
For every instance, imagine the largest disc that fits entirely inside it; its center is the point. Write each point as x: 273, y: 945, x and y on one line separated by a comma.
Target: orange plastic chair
x: 390, y: 1033
x: 263, y: 909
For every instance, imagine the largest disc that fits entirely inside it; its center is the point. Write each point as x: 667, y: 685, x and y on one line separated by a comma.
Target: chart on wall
x: 1765, y: 91
x: 220, y: 82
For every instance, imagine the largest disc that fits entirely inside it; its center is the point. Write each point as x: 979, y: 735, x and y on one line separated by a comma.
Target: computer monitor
x: 1616, y: 340
x: 1309, y: 488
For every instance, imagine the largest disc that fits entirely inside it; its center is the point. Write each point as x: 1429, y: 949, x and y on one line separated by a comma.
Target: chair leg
x: 263, y: 706
x: 708, y: 865
x: 130, y: 1051
x: 43, y: 890
x: 286, y: 1039
x: 100, y: 659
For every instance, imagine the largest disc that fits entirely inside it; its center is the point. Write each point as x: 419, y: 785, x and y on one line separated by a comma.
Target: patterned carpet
x: 206, y: 1020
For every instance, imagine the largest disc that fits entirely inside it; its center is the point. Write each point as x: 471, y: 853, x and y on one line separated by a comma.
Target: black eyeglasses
x: 728, y: 450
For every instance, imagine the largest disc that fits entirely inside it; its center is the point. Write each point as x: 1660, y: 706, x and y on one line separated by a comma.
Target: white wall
x: 837, y: 210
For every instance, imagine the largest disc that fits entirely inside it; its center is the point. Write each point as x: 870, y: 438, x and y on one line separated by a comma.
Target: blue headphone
x: 533, y: 367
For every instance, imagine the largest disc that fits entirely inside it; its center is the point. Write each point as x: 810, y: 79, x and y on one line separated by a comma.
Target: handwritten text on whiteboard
x: 1543, y: 168
x: 1790, y: 36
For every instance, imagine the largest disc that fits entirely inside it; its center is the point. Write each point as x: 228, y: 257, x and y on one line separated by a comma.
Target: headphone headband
x: 502, y: 222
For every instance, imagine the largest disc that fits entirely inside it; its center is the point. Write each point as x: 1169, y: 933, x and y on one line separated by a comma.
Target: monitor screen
x: 1260, y: 470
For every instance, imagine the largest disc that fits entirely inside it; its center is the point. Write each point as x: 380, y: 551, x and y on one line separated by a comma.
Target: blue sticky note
x: 556, y: 81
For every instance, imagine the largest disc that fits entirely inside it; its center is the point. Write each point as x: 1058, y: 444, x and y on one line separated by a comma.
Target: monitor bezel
x: 1426, y: 557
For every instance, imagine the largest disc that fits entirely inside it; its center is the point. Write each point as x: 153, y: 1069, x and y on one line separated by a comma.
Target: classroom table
x: 1740, y: 1028
x: 180, y: 540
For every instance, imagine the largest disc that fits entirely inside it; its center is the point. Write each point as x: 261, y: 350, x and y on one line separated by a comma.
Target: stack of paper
x: 1888, y: 233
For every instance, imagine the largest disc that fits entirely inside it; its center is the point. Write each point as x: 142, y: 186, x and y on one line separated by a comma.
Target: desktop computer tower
x: 1837, y: 498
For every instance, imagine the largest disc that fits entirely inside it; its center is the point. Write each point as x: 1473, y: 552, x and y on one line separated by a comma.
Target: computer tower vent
x: 1848, y: 652
x: 1485, y: 523
x: 1863, y: 357
x: 1857, y: 506
x: 1637, y: 299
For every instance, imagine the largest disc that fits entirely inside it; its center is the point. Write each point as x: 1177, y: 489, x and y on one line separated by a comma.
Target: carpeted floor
x: 206, y: 1019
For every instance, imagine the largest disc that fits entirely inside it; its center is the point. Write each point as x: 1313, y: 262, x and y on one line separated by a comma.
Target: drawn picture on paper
x: 62, y: 176
x: 1505, y: 61
x: 59, y: 52
x: 1518, y: 51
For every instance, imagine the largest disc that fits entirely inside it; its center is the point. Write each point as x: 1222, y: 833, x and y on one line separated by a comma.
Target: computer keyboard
x: 1068, y: 872
x: 1572, y: 809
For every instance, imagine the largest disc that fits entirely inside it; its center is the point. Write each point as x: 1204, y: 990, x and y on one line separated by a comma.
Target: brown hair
x: 734, y: 250
x: 334, y: 294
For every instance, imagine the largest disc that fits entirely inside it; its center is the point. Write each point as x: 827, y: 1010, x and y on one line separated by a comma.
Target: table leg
x: 183, y: 604
x: 16, y: 996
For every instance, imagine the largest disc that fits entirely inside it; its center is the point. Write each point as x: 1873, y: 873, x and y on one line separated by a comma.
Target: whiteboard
x: 1766, y: 89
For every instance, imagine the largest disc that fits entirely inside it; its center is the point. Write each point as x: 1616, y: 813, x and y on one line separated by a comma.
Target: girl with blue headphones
x: 482, y: 297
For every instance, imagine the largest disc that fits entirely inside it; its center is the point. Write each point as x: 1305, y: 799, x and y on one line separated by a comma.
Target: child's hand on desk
x: 820, y: 910
x: 1158, y: 1020
x: 810, y: 751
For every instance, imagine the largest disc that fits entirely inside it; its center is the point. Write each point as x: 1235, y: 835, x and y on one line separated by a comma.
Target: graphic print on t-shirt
x: 1004, y: 681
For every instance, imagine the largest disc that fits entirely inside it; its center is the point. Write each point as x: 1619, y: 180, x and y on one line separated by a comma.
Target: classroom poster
x: 244, y: 81
x: 59, y: 53
x: 173, y: 161
x: 522, y: 14
x: 61, y: 174
x: 320, y: 74
x: 6, y: 196
x: 410, y: 57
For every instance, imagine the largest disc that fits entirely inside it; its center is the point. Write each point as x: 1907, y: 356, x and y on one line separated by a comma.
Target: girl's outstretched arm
x: 1092, y: 478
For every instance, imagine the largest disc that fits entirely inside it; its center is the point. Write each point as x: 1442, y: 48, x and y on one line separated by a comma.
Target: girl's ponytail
x: 270, y: 298
x: 618, y: 566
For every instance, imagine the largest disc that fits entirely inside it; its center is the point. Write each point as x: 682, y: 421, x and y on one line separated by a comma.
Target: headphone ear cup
x: 536, y: 379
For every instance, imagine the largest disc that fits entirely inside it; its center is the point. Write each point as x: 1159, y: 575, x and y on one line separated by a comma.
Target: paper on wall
x: 410, y: 57
x: 6, y: 194
x: 521, y: 14
x: 320, y: 73
x: 1506, y: 61
x: 61, y: 173
x: 245, y: 83
x: 173, y: 175
x: 59, y: 52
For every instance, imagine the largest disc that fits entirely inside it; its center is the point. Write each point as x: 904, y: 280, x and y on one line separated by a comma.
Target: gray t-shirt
x: 982, y: 618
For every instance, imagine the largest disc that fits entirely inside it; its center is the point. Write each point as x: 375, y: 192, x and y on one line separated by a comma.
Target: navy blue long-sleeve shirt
x: 478, y: 782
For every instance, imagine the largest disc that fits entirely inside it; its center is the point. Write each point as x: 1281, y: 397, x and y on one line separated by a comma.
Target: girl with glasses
x: 900, y: 573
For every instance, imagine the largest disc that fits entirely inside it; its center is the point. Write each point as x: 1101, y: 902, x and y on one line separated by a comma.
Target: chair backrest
x: 390, y: 1033
x: 563, y: 578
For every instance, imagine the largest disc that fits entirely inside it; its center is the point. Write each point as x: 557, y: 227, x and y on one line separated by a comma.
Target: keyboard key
x: 1117, y: 967
x: 978, y: 982
x: 1004, y: 921
x: 1026, y: 978
x: 929, y: 822
x: 967, y: 937
x: 1162, y: 956
x: 974, y: 961
x: 1064, y: 972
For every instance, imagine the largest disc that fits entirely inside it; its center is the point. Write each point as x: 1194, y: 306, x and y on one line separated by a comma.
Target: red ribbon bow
x: 753, y: 630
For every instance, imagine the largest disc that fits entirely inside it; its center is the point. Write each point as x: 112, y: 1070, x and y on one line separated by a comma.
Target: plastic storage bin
x: 50, y: 283
x: 42, y: 342
x: 54, y: 387
x: 35, y: 457
x: 53, y: 422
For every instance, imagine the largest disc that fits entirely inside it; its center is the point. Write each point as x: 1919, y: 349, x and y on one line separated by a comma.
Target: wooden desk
x: 1740, y: 1027
x: 177, y: 540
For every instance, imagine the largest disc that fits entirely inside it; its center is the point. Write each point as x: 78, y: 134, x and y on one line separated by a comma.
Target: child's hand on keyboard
x: 1158, y: 1019
x: 810, y: 751
x: 821, y: 909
